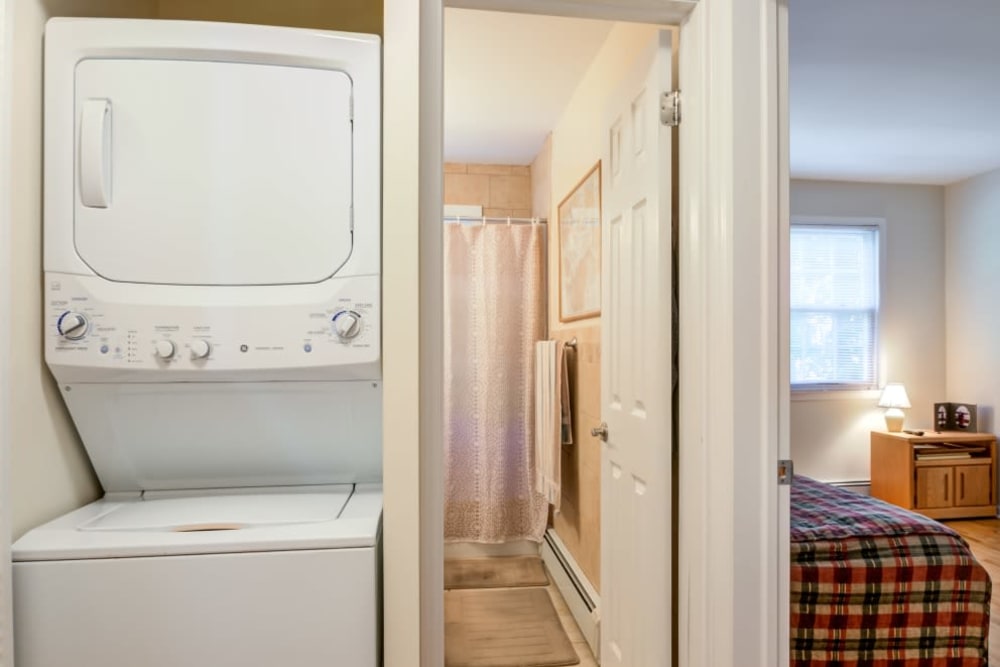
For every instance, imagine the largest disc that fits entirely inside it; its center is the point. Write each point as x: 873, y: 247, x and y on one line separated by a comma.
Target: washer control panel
x: 96, y: 324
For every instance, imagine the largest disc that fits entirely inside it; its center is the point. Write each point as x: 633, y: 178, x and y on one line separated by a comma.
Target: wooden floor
x: 983, y: 535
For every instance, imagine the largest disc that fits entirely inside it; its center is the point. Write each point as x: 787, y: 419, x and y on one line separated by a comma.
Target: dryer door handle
x: 95, y: 153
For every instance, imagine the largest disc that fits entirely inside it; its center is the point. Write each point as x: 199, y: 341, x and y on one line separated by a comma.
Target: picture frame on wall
x: 579, y: 230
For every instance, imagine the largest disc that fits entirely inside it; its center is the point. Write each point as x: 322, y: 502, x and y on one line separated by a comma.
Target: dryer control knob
x: 72, y: 326
x: 165, y: 349
x: 347, y: 324
x: 200, y: 349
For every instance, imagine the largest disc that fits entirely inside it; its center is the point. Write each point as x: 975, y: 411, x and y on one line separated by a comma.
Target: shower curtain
x: 494, y: 285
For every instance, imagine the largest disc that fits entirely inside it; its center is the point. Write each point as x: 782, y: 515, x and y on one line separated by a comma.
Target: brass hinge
x: 670, y: 108
x: 785, y: 471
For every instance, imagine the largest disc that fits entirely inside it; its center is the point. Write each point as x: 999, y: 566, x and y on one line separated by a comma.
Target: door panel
x: 636, y: 390
x: 973, y: 485
x: 212, y: 173
x: 934, y: 488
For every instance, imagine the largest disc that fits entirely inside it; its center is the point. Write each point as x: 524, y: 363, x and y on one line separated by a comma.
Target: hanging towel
x: 565, y: 412
x: 552, y: 418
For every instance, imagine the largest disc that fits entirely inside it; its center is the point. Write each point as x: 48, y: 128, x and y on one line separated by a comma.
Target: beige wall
x: 830, y: 438
x: 576, y: 144
x: 346, y: 15
x: 502, y: 190
x: 972, y: 249
x: 50, y: 473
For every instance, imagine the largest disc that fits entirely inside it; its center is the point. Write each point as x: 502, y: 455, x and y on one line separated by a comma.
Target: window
x: 834, y: 295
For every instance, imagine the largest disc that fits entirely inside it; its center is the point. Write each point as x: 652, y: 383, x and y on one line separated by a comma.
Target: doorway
x: 896, y: 182
x: 527, y: 141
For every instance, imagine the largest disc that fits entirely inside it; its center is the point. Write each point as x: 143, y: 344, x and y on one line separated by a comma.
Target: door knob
x: 600, y: 432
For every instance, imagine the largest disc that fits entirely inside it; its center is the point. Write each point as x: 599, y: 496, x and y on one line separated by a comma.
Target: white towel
x: 551, y: 384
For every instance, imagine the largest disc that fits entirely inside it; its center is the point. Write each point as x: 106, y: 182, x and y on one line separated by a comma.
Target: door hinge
x: 785, y: 471
x: 670, y: 108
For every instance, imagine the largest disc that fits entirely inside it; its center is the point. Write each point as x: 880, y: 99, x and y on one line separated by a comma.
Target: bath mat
x: 506, y: 572
x: 509, y: 627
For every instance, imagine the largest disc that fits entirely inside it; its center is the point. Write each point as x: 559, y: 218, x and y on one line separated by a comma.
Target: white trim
x: 783, y: 620
x: 431, y: 256
x: 733, y: 405
x: 6, y: 103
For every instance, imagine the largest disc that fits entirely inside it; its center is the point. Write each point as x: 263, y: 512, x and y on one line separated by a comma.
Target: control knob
x: 72, y: 326
x: 165, y: 349
x: 346, y: 324
x: 200, y: 349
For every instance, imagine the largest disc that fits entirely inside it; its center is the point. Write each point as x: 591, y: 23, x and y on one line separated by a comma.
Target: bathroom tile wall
x: 502, y: 190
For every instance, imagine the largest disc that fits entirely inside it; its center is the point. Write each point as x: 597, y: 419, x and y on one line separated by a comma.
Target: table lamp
x: 895, y: 400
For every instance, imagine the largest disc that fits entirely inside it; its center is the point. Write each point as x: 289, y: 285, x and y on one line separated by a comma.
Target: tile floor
x: 569, y: 624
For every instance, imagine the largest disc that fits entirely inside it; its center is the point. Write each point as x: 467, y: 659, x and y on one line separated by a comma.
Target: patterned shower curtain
x: 494, y: 285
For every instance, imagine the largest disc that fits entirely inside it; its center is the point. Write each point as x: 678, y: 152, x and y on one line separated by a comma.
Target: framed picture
x: 955, y: 417
x: 580, y: 249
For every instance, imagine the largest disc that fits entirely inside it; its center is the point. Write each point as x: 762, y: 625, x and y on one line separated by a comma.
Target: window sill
x: 836, y: 395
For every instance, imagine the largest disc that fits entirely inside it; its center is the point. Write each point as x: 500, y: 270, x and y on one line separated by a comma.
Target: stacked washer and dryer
x: 212, y: 319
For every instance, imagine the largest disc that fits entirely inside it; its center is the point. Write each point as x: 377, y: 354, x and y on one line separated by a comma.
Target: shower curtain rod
x: 492, y: 220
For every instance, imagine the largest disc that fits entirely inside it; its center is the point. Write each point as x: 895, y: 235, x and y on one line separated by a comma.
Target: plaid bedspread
x: 876, y: 585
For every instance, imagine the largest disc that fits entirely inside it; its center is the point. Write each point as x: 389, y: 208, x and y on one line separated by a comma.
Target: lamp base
x: 893, y: 420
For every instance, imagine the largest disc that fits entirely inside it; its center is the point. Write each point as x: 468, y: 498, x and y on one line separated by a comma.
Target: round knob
x: 347, y: 324
x: 72, y: 326
x: 200, y: 349
x: 165, y: 349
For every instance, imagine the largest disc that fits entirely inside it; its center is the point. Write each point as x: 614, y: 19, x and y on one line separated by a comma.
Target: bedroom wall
x: 830, y: 434
x: 972, y: 311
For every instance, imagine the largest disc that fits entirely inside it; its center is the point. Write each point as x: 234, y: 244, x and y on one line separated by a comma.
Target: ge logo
x: 244, y: 348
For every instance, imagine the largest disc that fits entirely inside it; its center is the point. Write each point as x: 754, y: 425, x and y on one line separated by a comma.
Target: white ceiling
x: 904, y: 91
x: 508, y: 78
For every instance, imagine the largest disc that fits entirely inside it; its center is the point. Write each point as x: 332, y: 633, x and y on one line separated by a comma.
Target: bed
x: 873, y: 584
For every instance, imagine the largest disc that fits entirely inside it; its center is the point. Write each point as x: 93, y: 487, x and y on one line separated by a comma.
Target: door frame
x: 6, y: 74
x: 733, y: 408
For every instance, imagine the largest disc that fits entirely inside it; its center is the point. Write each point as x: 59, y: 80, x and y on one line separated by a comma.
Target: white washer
x: 212, y: 318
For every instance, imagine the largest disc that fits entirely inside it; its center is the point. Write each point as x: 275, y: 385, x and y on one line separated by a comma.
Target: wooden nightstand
x: 946, y: 475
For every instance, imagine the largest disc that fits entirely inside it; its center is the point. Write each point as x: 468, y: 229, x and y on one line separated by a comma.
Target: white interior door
x: 636, y: 369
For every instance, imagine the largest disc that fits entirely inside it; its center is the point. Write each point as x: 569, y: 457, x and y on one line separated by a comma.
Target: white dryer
x: 212, y: 319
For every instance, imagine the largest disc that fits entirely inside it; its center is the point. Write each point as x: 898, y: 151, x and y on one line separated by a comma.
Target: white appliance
x: 212, y: 319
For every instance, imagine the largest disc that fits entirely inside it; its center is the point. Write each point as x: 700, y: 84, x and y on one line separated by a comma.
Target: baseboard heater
x: 581, y: 598
x: 862, y: 486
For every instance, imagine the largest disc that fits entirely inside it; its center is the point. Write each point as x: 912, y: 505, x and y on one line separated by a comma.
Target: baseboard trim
x: 862, y: 486
x: 581, y: 598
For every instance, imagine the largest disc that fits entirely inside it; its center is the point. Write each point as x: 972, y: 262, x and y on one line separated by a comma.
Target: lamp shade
x: 894, y: 396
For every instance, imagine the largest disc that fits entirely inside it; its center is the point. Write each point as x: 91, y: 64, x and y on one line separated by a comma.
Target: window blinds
x: 834, y: 306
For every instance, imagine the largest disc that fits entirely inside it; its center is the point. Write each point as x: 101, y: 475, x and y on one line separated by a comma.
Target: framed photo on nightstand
x: 955, y: 417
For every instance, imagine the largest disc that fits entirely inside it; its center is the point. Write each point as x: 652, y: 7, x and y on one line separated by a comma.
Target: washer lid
x: 358, y: 525
x: 212, y: 173
x: 223, y: 512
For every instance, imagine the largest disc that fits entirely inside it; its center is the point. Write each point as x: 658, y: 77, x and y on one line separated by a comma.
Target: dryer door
x: 212, y: 173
